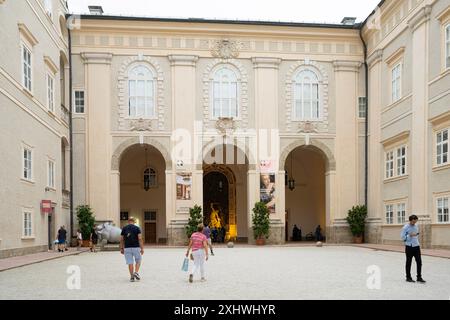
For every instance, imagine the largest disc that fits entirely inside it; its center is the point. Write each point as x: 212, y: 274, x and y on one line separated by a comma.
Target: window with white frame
x: 362, y: 107
x: 447, y: 46
x: 442, y: 147
x: 27, y: 224
x: 225, y: 94
x: 396, y: 82
x: 389, y: 164
x: 79, y: 101
x: 401, y: 161
x: 50, y: 93
x: 401, y: 213
x: 27, y: 164
x: 150, y: 176
x: 48, y: 7
x: 442, y: 209
x: 141, y: 92
x: 389, y: 214
x: 306, y: 96
x: 26, y: 67
x: 51, y: 174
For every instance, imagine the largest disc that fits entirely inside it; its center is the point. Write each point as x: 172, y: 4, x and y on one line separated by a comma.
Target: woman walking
x: 199, y: 245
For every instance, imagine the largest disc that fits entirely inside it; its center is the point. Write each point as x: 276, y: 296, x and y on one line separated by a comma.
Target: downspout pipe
x: 366, y: 124
x: 70, y: 130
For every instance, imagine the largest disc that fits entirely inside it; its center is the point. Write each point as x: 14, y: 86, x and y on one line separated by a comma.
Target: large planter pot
x: 357, y: 239
x: 86, y: 243
x: 260, y: 242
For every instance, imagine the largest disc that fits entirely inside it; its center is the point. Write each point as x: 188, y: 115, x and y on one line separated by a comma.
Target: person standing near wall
x: 409, y: 235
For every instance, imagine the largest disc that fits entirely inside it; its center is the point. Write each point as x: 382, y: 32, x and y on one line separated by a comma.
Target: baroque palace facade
x: 169, y: 113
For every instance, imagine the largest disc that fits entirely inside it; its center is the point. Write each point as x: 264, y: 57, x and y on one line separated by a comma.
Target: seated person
x: 296, y: 233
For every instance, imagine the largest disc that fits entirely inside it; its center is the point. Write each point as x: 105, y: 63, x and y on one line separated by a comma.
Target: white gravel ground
x: 268, y: 272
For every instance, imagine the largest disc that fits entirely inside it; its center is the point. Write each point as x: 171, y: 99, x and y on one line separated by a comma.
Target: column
x: 115, y: 196
x: 98, y: 85
x: 252, y: 198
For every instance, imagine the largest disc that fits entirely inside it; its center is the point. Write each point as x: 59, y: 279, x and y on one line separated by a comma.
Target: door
x: 150, y: 232
x: 50, y: 241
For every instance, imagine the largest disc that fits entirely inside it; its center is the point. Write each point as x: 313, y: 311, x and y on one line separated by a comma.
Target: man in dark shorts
x: 62, y: 234
x: 132, y: 246
x: 94, y: 238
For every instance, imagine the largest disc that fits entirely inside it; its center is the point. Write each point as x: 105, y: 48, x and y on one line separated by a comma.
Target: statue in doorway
x: 109, y: 232
x: 215, y: 221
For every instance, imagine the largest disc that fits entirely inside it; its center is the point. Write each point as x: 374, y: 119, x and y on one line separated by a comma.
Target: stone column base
x: 176, y: 233
x: 276, y: 235
x: 424, y: 224
x: 373, y: 231
x: 339, y: 232
x: 9, y: 253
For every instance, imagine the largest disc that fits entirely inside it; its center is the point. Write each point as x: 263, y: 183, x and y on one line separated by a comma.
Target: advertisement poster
x: 184, y: 185
x: 267, y: 185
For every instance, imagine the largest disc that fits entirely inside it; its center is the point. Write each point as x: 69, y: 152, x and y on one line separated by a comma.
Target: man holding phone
x: 409, y: 235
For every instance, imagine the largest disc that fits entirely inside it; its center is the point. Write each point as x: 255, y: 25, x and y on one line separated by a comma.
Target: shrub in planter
x: 357, y: 220
x: 195, y: 218
x: 86, y: 220
x: 261, y: 221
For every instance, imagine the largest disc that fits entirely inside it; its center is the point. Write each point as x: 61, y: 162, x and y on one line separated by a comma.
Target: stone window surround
x: 51, y: 107
x: 393, y: 61
x: 439, y: 124
x: 436, y: 197
x: 319, y: 70
x: 154, y: 98
x: 236, y: 72
x: 128, y: 64
x: 74, y: 90
x: 29, y: 210
x: 22, y: 166
x: 395, y: 206
x: 25, y: 46
x: 392, y: 144
x: 51, y: 187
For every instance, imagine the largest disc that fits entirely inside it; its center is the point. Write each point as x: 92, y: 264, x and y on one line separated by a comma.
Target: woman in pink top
x: 199, y: 245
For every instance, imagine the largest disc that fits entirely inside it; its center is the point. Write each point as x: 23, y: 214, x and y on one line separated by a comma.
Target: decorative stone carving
x: 226, y: 49
x: 140, y: 125
x: 225, y: 125
x: 307, y: 127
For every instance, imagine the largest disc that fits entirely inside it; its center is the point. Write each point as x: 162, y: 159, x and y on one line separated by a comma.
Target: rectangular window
x: 50, y: 93
x: 401, y: 161
x: 362, y: 107
x: 389, y: 214
x: 150, y: 215
x: 27, y: 224
x: 48, y: 7
x: 401, y: 213
x: 442, y: 147
x: 51, y: 174
x: 442, y: 210
x: 79, y: 101
x: 447, y: 46
x: 26, y: 65
x: 27, y: 162
x: 389, y: 164
x: 396, y: 82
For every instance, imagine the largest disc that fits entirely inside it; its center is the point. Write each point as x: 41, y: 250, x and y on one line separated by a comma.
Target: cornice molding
x: 422, y: 16
x: 401, y: 137
x: 25, y: 32
x: 266, y: 63
x: 346, y: 66
x: 375, y: 57
x: 444, y: 15
x: 395, y: 56
x: 96, y: 58
x: 182, y: 60
x: 52, y: 66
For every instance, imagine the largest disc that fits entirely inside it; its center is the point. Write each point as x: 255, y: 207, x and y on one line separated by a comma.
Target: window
x: 396, y: 82
x: 51, y: 174
x: 79, y: 101
x: 447, y: 46
x: 225, y: 94
x: 442, y: 147
x: 27, y: 162
x: 401, y: 161
x: 401, y: 213
x: 26, y: 64
x: 306, y: 96
x: 141, y: 92
x: 48, y: 7
x: 362, y: 107
x: 389, y: 164
x: 389, y: 214
x: 150, y: 215
x: 150, y: 177
x: 27, y: 224
x: 442, y: 210
x: 50, y: 93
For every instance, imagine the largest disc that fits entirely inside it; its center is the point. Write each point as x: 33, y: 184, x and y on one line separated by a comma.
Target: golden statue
x: 215, y: 220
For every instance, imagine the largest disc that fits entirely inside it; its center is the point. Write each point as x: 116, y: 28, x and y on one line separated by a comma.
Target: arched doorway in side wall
x: 305, y: 192
x: 142, y: 191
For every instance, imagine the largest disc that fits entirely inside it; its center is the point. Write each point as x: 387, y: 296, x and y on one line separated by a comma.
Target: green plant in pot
x: 195, y: 218
x: 357, y: 220
x: 261, y: 222
x: 86, y: 220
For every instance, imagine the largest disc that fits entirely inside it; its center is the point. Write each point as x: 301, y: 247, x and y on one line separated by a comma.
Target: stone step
x: 110, y: 247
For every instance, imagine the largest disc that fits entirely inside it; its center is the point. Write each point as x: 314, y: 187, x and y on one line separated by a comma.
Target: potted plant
x: 86, y: 220
x: 357, y: 220
x: 195, y: 218
x: 261, y: 222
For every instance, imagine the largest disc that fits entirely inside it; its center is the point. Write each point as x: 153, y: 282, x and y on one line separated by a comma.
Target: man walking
x: 131, y: 245
x: 409, y: 235
x: 207, y: 233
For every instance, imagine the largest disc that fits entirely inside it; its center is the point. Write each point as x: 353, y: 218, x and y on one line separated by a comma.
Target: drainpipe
x: 366, y: 139
x: 70, y: 133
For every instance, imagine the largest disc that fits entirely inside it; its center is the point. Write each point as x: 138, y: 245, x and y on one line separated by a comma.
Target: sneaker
x: 137, y: 276
x: 132, y: 279
x: 409, y: 280
x: 203, y: 279
x: 212, y: 253
x: 191, y: 278
x: 420, y: 280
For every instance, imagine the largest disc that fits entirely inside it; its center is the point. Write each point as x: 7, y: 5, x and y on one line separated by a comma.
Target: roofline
x: 378, y: 6
x: 356, y: 26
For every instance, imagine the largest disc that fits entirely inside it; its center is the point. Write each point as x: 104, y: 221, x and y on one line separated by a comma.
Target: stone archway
x: 326, y: 152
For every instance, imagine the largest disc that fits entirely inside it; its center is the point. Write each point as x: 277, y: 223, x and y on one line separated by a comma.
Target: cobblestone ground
x: 233, y: 273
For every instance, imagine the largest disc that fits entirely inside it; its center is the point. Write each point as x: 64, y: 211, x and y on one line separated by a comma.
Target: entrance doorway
x: 150, y: 232
x: 51, y: 229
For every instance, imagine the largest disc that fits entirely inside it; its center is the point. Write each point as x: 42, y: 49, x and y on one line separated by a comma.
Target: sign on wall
x: 184, y: 185
x: 267, y: 184
x: 46, y: 206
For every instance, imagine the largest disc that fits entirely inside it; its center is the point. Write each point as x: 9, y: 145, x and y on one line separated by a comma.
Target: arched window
x: 306, y: 96
x: 149, y: 178
x: 141, y: 93
x: 225, y: 94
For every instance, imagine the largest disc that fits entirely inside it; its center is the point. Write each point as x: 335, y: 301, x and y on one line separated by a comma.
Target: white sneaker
x: 137, y: 276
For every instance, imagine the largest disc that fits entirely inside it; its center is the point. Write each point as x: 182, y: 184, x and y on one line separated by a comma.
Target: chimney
x: 349, y: 21
x: 96, y: 10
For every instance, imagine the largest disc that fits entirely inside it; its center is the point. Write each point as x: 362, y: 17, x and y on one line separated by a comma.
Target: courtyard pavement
x: 242, y: 272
